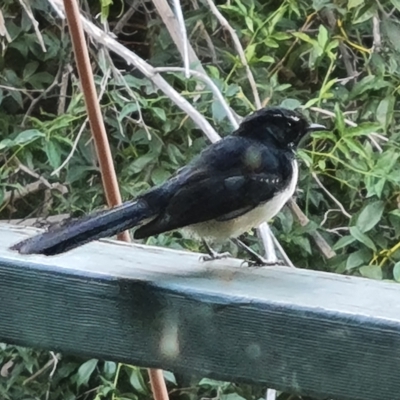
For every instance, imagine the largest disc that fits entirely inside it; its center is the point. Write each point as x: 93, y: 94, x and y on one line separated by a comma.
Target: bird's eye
x: 289, y: 123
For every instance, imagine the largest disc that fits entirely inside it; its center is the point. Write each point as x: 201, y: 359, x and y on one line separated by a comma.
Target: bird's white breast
x: 221, y: 230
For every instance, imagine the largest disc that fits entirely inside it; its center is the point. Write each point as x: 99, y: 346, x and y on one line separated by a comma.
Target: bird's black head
x: 280, y: 126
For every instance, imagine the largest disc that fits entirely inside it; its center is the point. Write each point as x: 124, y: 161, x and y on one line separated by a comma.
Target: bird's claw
x: 215, y: 256
x: 262, y: 262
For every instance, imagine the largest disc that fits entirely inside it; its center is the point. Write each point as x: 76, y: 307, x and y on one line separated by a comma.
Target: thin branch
x: 52, y: 362
x: 376, y: 31
x: 120, y: 78
x: 148, y: 71
x: 74, y: 146
x: 3, y: 29
x: 206, y: 79
x: 23, y: 191
x: 335, y: 200
x: 27, y: 7
x: 124, y: 20
x: 326, y: 214
x: 182, y: 27
x: 170, y: 21
x: 265, y: 234
x: 271, y: 394
x: 225, y: 24
x: 37, y: 99
x: 321, y: 243
x: 63, y: 90
x: 345, y: 52
x: 285, y: 257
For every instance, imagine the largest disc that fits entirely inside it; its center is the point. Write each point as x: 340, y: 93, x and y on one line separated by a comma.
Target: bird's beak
x: 316, y: 127
x: 311, y: 128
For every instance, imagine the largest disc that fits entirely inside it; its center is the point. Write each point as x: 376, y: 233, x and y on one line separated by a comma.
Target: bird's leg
x: 256, y: 259
x: 212, y: 254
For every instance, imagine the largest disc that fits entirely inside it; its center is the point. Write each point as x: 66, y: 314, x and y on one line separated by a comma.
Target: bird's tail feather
x: 76, y: 232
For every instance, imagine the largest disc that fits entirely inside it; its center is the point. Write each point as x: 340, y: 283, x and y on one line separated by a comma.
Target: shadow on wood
x: 305, y: 332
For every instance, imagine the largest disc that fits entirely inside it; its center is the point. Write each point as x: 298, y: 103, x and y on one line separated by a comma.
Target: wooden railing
x: 305, y: 332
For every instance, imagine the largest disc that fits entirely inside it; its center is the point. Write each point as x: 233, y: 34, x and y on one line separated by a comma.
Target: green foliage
x: 340, y: 57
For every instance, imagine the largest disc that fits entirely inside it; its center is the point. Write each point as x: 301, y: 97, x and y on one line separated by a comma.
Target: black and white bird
x: 232, y: 186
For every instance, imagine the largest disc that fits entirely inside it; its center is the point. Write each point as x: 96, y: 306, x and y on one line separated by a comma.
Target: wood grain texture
x: 305, y: 332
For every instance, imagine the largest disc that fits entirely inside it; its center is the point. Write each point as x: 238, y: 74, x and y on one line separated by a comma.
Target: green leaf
x: 396, y: 213
x: 271, y: 43
x: 85, y: 371
x: 266, y: 59
x: 159, y: 175
x: 362, y: 237
x: 343, y: 242
x: 324, y: 135
x: 384, y: 112
x: 354, y: 3
x: 142, y: 162
x: 392, y: 31
x: 137, y: 381
x: 53, y: 154
x: 30, y: 69
x: 323, y: 36
x: 6, y: 143
x: 250, y: 51
x: 127, y: 110
x: 370, y: 216
x: 27, y: 136
x: 17, y: 96
x: 282, y: 35
x: 159, y: 112
x: 365, y: 15
x: 359, y: 257
x: 211, y: 383
x: 41, y: 79
x: 302, y: 242
x: 372, y: 272
x: 218, y: 111
x: 241, y: 7
x: 291, y: 104
x: 339, y: 120
x: 370, y: 82
x: 110, y: 367
x: 396, y: 4
x: 362, y: 130
x: 396, y: 271
x: 311, y: 102
x: 303, y: 36
x: 379, y: 185
x: 170, y: 377
x: 355, y: 146
x: 249, y: 23
x: 232, y: 90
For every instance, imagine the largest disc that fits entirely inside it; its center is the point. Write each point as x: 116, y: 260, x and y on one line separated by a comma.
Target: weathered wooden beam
x: 301, y: 331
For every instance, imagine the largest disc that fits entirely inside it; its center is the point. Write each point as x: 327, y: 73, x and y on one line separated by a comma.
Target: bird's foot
x: 259, y: 261
x: 213, y: 255
x: 255, y: 259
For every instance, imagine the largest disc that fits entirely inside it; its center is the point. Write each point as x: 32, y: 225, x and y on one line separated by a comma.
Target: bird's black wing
x: 229, y: 179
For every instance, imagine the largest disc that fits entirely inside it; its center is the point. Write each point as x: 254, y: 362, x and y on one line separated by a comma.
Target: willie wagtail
x: 232, y: 186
